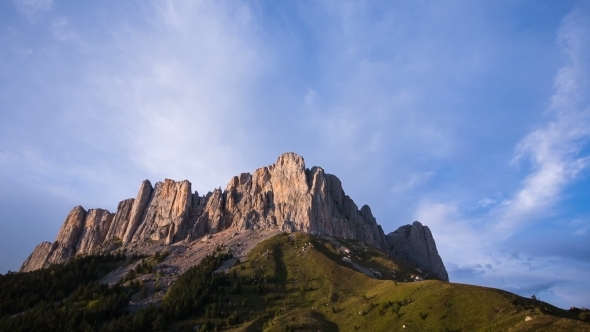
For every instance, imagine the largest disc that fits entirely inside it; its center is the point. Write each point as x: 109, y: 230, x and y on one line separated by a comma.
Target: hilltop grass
x: 299, y: 282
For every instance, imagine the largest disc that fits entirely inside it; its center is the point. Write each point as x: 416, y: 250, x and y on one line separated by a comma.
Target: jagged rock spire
x: 285, y: 196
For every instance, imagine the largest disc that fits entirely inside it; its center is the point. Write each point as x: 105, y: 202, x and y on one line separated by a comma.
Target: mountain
x: 285, y: 196
x: 282, y: 249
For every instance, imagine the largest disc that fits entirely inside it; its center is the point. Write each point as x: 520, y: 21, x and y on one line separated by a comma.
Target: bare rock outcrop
x: 415, y: 244
x: 137, y: 211
x: 167, y: 212
x: 94, y: 232
x: 37, y: 258
x: 285, y: 196
x: 288, y: 197
x: 120, y: 220
x: 64, y: 246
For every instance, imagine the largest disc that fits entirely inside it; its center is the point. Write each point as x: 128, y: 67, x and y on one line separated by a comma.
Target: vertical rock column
x: 167, y: 213
x: 64, y: 246
x: 121, y: 220
x: 137, y: 211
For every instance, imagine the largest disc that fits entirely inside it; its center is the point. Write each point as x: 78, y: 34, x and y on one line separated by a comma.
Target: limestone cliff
x: 137, y: 210
x: 120, y: 220
x: 64, y: 246
x: 167, y: 212
x: 415, y: 244
x: 284, y: 196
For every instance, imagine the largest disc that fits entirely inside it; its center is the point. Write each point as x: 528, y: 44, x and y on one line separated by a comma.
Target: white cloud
x: 181, y: 91
x: 414, y: 180
x: 458, y: 238
x: 486, y: 202
x: 30, y: 8
x: 35, y: 5
x: 555, y: 152
x: 554, y: 149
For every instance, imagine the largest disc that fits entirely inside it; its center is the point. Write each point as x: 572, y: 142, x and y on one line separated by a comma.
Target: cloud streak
x: 554, y: 149
x: 552, y: 155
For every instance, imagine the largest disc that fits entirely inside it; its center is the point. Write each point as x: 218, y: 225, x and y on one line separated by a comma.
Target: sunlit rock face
x: 64, y: 246
x: 94, y: 231
x: 284, y: 196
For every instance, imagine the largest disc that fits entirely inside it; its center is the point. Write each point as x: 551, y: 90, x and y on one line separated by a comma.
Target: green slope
x: 310, y: 288
x: 293, y: 282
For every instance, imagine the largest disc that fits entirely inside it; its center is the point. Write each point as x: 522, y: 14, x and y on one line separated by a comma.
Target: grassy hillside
x: 298, y: 282
x: 293, y: 282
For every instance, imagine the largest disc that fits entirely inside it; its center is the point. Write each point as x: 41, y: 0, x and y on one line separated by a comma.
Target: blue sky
x: 472, y: 117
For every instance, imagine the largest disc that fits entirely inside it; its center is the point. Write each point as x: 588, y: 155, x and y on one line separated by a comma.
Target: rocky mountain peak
x: 284, y: 196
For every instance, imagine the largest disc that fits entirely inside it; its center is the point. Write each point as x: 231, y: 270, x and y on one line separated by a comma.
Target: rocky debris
x: 181, y: 258
x: 285, y: 196
x: 415, y: 244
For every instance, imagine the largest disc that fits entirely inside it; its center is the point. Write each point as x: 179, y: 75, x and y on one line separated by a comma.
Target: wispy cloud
x: 30, y: 8
x: 183, y: 108
x: 553, y: 158
x: 63, y: 31
x: 486, y: 202
x: 554, y: 149
x: 468, y: 271
x: 414, y: 180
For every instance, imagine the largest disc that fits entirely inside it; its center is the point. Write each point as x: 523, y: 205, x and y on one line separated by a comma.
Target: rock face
x: 120, y: 220
x: 167, y: 212
x: 94, y: 232
x: 288, y: 197
x: 137, y: 210
x: 64, y: 246
x: 38, y: 258
x: 415, y: 244
x: 284, y: 196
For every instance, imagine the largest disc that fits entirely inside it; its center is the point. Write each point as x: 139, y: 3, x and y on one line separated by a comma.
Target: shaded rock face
x: 120, y: 220
x: 415, y: 244
x: 284, y: 196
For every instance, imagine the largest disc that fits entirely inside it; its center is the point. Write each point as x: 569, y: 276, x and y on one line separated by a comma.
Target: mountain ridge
x: 284, y: 196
